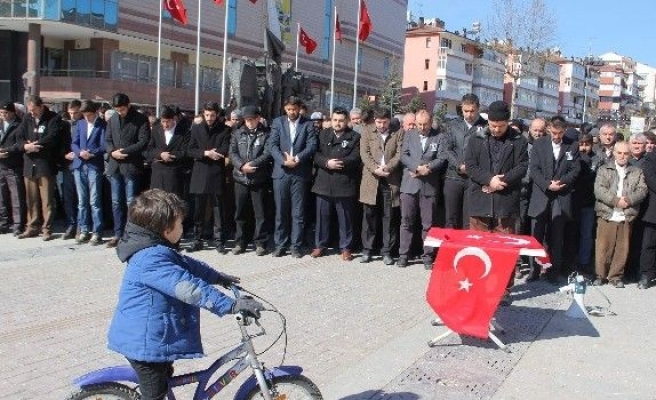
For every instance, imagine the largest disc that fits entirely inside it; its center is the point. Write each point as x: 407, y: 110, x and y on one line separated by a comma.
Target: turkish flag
x: 365, y: 23
x: 306, y: 41
x: 467, y: 284
x: 338, y: 29
x: 177, y: 10
x: 528, y: 245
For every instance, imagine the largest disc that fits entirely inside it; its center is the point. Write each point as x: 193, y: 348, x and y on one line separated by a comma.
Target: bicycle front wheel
x: 289, y: 388
x: 105, y: 391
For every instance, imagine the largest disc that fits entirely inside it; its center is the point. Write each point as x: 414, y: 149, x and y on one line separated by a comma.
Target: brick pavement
x: 359, y: 331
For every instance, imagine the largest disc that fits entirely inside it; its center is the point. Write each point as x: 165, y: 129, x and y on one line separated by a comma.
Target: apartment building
x: 619, y: 87
x: 94, y: 48
x: 442, y: 66
x: 579, y: 90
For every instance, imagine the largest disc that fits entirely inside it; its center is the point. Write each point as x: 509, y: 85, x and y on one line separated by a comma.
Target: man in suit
x: 88, y: 146
x: 554, y: 167
x: 41, y: 134
x: 209, y: 146
x: 293, y: 143
x: 380, y: 150
x: 336, y: 183
x: 648, y: 254
x: 65, y: 177
x: 497, y: 160
x: 12, y: 187
x: 458, y: 134
x: 167, y: 153
x: 126, y: 138
x: 420, y: 185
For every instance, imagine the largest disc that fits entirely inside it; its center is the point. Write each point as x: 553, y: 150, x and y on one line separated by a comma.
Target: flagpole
x: 298, y: 33
x: 159, y: 62
x: 197, y: 92
x: 225, y: 53
x: 332, y: 74
x: 357, y: 56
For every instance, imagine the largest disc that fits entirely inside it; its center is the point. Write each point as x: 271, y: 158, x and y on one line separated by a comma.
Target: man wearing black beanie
x: 497, y: 160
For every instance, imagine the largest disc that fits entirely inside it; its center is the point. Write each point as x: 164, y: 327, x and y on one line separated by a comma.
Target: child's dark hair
x: 156, y: 210
x: 585, y: 138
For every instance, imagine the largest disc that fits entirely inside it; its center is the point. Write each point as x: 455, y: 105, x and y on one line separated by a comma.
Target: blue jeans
x: 586, y: 236
x: 89, y: 182
x: 124, y: 190
x: 66, y: 187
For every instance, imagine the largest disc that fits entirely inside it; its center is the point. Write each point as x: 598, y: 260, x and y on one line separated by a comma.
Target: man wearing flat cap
x: 252, y: 164
x: 497, y: 160
x: 12, y: 187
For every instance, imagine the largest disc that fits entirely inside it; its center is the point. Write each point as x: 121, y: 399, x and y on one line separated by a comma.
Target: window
x: 568, y: 81
x: 425, y: 86
x: 441, y: 62
x: 469, y: 68
x: 446, y: 43
x: 463, y: 48
x: 386, y: 66
x: 427, y: 64
x: 428, y: 43
x: 440, y: 84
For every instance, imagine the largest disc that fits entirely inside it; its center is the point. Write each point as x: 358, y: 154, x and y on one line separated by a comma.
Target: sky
x: 626, y: 27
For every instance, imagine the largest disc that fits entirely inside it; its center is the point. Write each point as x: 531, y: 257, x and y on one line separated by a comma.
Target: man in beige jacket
x: 619, y: 189
x: 380, y: 151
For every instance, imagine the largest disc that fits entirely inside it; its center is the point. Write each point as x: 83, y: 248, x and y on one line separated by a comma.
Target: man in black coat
x: 497, y: 160
x: 251, y: 171
x: 12, y: 187
x: 555, y: 168
x: 648, y: 254
x: 41, y: 133
x: 420, y: 185
x: 209, y: 146
x: 336, y: 183
x: 127, y: 136
x: 167, y: 153
x: 456, y: 141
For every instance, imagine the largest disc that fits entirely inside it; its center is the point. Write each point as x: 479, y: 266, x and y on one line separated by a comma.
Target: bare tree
x: 524, y: 30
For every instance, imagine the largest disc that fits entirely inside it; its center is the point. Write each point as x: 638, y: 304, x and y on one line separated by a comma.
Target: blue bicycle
x: 279, y: 383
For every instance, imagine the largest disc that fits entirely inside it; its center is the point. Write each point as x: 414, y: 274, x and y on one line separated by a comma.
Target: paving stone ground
x: 358, y: 330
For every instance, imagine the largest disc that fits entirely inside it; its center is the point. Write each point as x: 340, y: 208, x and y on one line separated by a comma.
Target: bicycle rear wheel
x: 289, y: 388
x: 105, y: 391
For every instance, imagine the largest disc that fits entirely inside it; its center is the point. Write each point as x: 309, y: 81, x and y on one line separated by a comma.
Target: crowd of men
x: 587, y: 194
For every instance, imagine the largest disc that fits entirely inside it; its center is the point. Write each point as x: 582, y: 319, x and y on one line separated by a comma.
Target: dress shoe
x: 113, y: 242
x: 388, y: 260
x: 643, y: 283
x: 260, y: 251
x: 296, y: 253
x: 17, y: 231
x: 316, y: 253
x: 347, y: 255
x: 47, y: 236
x: 96, y: 240
x: 83, y: 237
x: 70, y: 233
x: 365, y: 258
x: 618, y: 283
x: 598, y: 282
x: 196, y: 245
x: 28, y: 234
x: 506, y: 300
x: 220, y: 248
x: 238, y: 249
x: 278, y: 252
x: 402, y: 263
x: 428, y: 264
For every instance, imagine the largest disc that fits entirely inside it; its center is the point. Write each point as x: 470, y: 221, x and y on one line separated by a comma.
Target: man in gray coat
x: 420, y: 185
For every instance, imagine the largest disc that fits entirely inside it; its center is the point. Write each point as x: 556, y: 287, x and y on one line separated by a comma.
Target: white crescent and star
x: 475, y: 252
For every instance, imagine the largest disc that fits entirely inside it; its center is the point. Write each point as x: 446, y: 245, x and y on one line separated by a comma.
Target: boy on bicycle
x: 157, y: 319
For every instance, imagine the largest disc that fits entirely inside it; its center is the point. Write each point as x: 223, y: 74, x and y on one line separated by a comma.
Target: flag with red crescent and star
x: 177, y: 10
x: 470, y: 275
